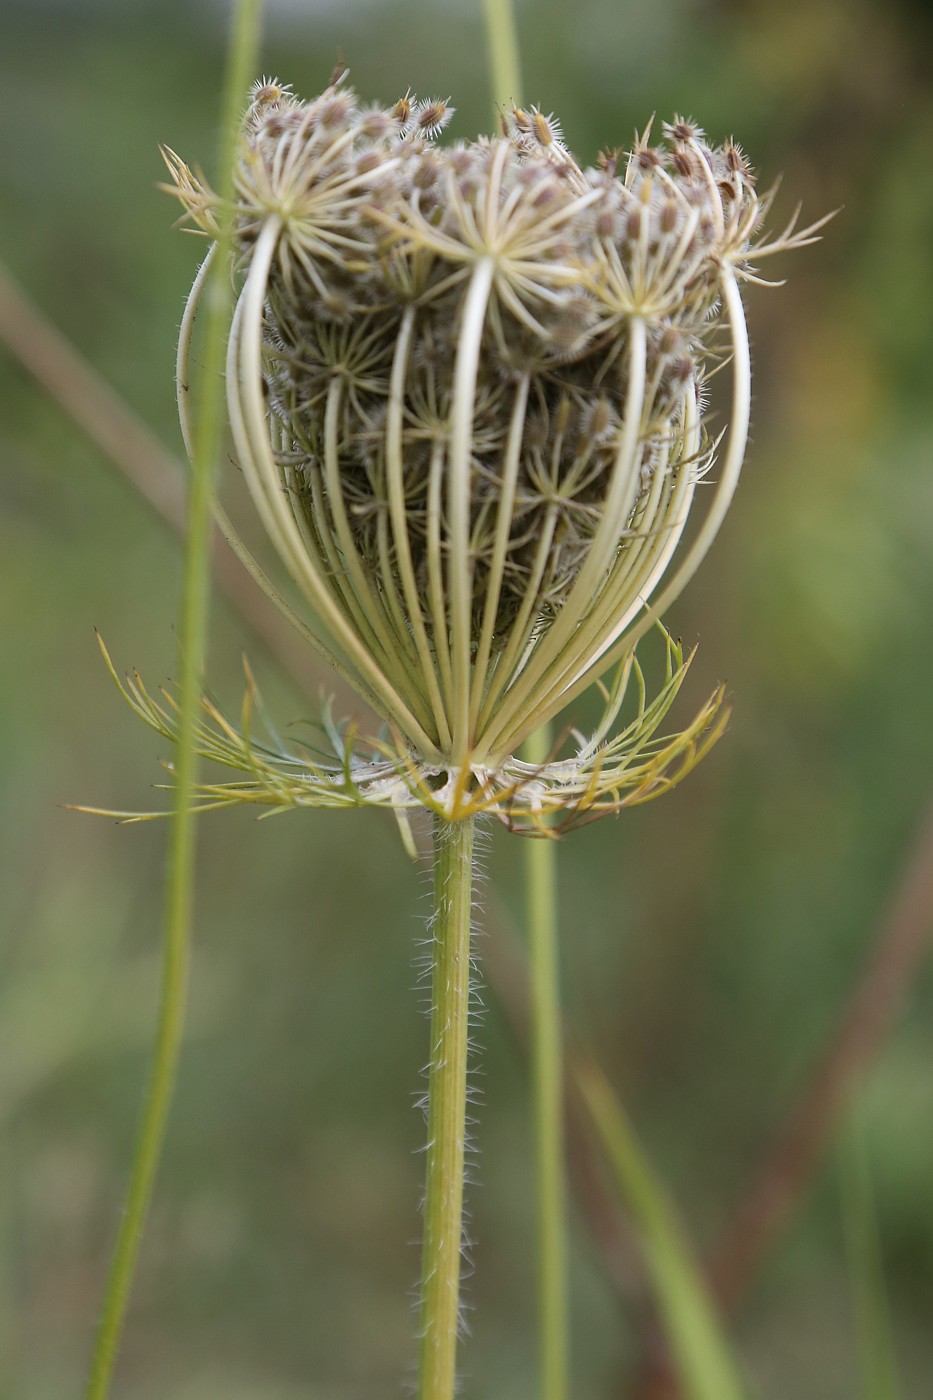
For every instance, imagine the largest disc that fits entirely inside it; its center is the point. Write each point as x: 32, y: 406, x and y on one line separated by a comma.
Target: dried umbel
x: 466, y: 389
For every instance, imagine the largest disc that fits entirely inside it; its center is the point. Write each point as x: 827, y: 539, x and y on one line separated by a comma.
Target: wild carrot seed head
x: 465, y: 386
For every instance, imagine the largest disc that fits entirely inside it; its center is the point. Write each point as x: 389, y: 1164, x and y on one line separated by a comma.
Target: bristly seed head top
x: 466, y: 389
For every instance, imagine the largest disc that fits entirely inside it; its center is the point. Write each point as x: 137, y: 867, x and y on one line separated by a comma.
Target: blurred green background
x: 708, y: 939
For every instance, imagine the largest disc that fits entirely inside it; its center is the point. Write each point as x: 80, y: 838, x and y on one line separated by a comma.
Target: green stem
x: 877, y: 1358
x: 541, y: 906
x: 681, y: 1293
x: 447, y: 1083
x: 547, y: 1076
x: 192, y: 639
x: 502, y: 43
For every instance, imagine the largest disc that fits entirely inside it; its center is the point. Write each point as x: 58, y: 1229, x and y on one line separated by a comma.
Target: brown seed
x: 683, y: 131
x: 543, y: 132
x: 430, y: 114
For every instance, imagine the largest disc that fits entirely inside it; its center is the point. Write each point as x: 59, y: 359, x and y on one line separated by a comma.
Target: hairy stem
x: 547, y: 1075
x: 193, y: 639
x: 447, y: 1084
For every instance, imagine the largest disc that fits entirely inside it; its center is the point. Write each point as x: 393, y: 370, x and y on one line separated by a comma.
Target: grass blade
x: 690, y: 1324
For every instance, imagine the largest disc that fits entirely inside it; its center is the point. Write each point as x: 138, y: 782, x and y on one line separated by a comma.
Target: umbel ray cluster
x: 466, y: 388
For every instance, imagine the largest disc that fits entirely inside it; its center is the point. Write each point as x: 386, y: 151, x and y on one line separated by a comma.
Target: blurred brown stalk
x: 797, y: 1149
x: 140, y: 457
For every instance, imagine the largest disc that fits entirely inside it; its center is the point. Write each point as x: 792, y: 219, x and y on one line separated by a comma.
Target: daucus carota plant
x: 466, y: 386
x: 466, y: 390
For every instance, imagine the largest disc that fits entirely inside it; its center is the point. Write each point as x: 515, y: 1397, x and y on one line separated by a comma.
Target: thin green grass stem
x: 502, y: 44
x: 878, y: 1373
x: 447, y: 1097
x: 547, y: 1076
x: 541, y: 918
x: 193, y: 622
x: 699, y: 1349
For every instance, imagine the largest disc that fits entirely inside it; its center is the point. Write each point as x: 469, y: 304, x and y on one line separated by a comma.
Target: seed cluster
x: 381, y: 233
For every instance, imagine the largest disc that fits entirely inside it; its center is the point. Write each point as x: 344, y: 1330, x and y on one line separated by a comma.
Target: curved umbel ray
x: 508, y: 735
x: 437, y: 473
x: 183, y: 353
x: 460, y: 564
x: 307, y: 634
x: 225, y: 524
x: 365, y: 601
x: 521, y: 633
x: 395, y: 482
x: 504, y: 513
x: 638, y: 574
x: 250, y: 433
x: 637, y: 569
x: 320, y: 541
x: 332, y: 547
x: 524, y: 689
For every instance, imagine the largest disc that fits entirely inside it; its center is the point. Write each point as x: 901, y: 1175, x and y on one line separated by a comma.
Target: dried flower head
x: 466, y: 390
